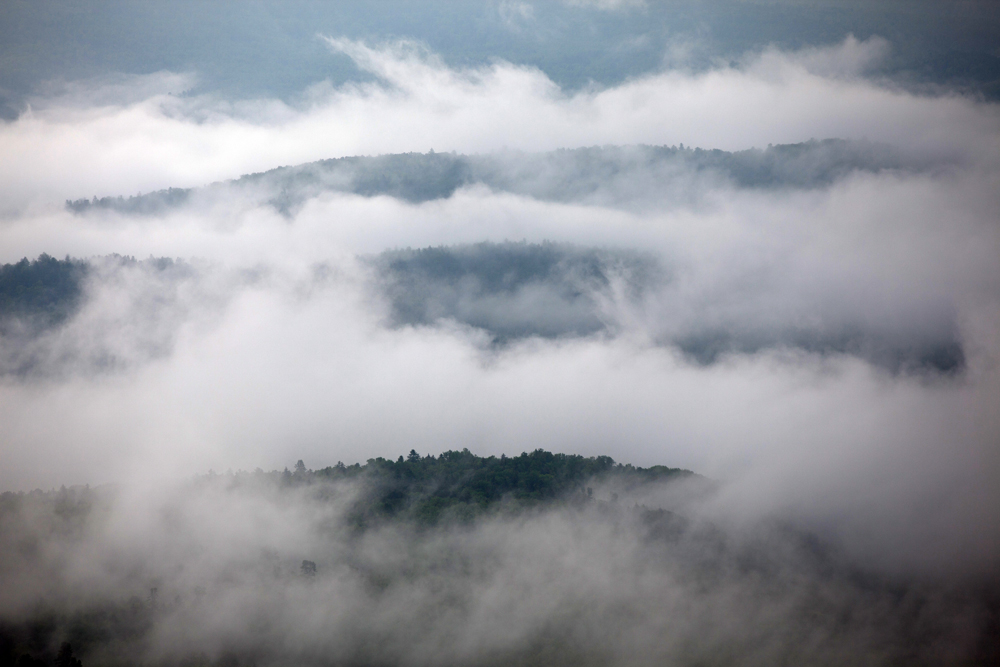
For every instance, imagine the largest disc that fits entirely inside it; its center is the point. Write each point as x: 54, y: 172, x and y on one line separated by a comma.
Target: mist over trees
x: 45, y: 303
x: 513, y: 290
x: 458, y: 485
x: 516, y: 290
x: 609, y: 174
x: 36, y: 296
x: 150, y: 204
x: 45, y: 291
x: 508, y: 291
x: 537, y: 559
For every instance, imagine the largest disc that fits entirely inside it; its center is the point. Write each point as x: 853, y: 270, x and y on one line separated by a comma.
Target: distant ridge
x: 561, y: 175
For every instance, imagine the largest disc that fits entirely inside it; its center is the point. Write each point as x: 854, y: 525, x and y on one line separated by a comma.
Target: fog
x: 606, y: 583
x: 814, y: 327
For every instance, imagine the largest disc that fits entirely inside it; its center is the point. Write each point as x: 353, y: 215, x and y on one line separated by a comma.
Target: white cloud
x: 606, y: 5
x: 62, y: 150
x: 515, y: 14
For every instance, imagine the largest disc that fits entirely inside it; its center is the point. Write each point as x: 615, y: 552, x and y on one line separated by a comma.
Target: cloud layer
x: 62, y: 148
x: 275, y: 347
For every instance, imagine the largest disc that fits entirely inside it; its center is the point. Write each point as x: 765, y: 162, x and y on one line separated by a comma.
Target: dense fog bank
x: 541, y: 559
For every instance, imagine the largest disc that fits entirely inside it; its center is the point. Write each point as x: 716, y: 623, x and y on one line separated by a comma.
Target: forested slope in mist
x: 609, y: 174
x: 43, y: 292
x: 509, y: 292
x: 538, y: 559
x: 44, y: 301
x: 102, y: 315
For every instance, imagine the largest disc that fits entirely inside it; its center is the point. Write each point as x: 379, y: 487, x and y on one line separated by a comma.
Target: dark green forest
x: 460, y: 485
x: 46, y: 290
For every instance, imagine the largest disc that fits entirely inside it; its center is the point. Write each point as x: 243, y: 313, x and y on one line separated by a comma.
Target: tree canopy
x: 46, y: 289
x: 459, y: 484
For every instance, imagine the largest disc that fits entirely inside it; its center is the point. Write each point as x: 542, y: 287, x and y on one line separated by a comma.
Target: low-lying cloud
x: 62, y: 149
x: 821, y: 339
x: 257, y: 568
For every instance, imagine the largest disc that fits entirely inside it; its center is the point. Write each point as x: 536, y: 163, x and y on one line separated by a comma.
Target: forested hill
x: 608, y: 173
x: 325, y: 518
x: 458, y: 485
x: 507, y: 291
x: 46, y: 289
